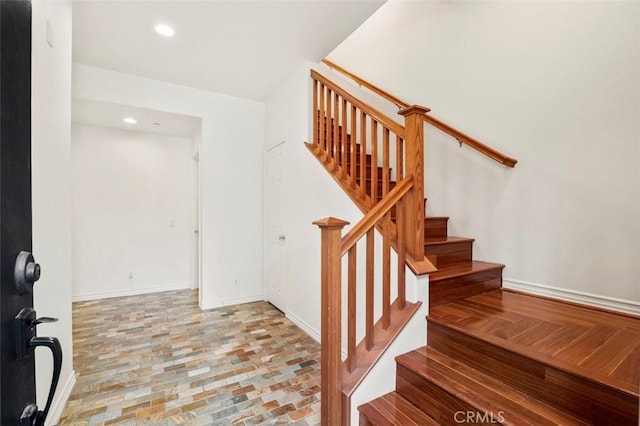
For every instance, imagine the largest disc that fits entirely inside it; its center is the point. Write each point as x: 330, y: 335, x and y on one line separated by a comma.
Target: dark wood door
x: 17, y: 377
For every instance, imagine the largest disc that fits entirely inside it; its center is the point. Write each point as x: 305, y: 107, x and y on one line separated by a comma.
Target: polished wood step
x: 392, y: 409
x: 449, y: 390
x: 435, y: 227
x: 449, y: 251
x: 461, y: 280
x: 581, y: 360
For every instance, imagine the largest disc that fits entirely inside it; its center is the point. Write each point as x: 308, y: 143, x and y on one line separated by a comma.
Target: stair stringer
x: 381, y: 379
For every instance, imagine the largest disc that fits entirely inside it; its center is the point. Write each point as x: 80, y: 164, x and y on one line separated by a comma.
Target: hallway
x: 157, y: 359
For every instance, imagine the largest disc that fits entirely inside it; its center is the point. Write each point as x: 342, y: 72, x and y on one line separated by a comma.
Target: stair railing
x: 336, y: 383
x: 461, y: 137
x: 360, y: 144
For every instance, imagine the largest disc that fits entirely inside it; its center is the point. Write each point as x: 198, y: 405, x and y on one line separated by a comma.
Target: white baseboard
x: 312, y: 332
x: 212, y: 304
x: 621, y: 305
x: 57, y: 407
x: 132, y: 292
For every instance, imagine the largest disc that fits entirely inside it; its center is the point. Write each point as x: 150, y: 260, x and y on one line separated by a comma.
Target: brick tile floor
x: 159, y: 360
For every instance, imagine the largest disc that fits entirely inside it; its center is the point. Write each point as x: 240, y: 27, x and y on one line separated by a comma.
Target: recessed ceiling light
x: 165, y: 30
x: 130, y: 120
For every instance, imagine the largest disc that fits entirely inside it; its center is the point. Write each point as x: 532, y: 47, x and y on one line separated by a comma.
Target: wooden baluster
x: 322, y: 124
x: 385, y: 161
x: 386, y: 271
x: 336, y: 129
x: 363, y: 153
x: 330, y: 124
x: 330, y: 327
x: 351, y: 321
x: 414, y: 159
x: 316, y: 115
x: 369, y: 290
x: 402, y: 258
x: 354, y: 118
x: 399, y: 159
x: 343, y: 145
x: 374, y: 161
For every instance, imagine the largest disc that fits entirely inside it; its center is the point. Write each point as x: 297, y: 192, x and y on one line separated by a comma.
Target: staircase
x: 493, y: 356
x: 508, y: 358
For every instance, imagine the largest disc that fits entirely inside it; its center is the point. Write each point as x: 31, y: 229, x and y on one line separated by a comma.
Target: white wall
x: 230, y: 174
x: 554, y: 84
x: 132, y: 212
x: 51, y: 185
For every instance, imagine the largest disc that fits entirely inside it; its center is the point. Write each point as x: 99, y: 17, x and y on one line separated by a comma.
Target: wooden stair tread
x: 393, y: 409
x: 447, y: 240
x: 461, y: 269
x: 484, y: 393
x: 599, y: 346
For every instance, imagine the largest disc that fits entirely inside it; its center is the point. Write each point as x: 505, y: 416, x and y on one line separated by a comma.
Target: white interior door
x: 276, y: 256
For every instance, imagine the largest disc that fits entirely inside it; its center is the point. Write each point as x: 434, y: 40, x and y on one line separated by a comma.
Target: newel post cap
x: 414, y: 109
x: 330, y: 222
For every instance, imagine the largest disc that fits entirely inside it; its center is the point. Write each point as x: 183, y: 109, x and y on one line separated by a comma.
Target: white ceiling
x: 241, y: 48
x: 105, y: 114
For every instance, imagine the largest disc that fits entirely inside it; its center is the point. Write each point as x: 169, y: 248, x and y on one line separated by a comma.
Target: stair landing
x: 583, y: 360
x: 593, y: 343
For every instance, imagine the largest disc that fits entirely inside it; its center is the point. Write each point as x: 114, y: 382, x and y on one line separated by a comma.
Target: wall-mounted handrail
x: 470, y: 141
x: 446, y: 128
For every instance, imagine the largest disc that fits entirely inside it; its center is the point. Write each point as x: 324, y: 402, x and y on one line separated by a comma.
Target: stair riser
x: 431, y: 399
x: 451, y: 289
x: 572, y: 394
x: 367, y: 171
x: 379, y: 187
x: 450, y: 253
x: 435, y: 228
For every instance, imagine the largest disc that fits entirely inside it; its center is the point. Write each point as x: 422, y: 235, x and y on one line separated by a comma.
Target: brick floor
x: 159, y: 360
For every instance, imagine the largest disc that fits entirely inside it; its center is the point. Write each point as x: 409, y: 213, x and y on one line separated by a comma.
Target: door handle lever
x: 56, y: 351
x: 26, y: 342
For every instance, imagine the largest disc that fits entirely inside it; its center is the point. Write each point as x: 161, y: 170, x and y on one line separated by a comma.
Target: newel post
x: 414, y: 165
x: 330, y: 326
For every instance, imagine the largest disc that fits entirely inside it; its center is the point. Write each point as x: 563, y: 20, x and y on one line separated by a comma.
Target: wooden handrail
x: 369, y: 110
x: 388, y: 96
x: 446, y: 128
x: 375, y: 214
x: 470, y: 141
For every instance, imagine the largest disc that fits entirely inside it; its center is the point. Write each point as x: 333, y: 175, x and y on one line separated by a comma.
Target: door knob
x: 26, y: 272
x: 282, y: 238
